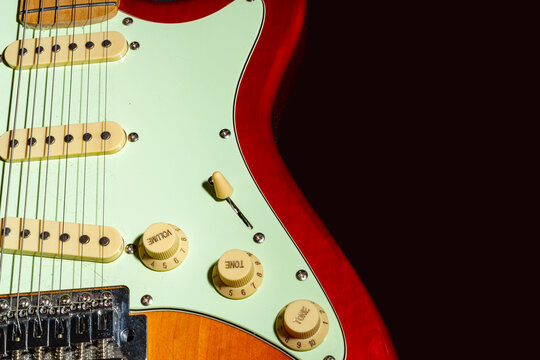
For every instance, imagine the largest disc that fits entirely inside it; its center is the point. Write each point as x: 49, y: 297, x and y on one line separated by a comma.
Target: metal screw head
x: 4, y: 305
x: 107, y: 295
x: 65, y: 300
x: 1, y: 58
x: 258, y: 238
x: 127, y: 21
x: 134, y: 45
x: 24, y: 303
x: 85, y: 297
x: 329, y: 357
x: 146, y: 300
x: 44, y: 301
x: 130, y: 249
x: 301, y: 275
x: 211, y: 181
x: 225, y: 133
x: 132, y: 137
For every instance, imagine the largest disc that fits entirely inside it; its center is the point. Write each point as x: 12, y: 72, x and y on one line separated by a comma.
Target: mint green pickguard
x: 177, y: 92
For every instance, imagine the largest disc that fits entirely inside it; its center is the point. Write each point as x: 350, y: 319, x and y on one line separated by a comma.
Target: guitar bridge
x: 88, y: 324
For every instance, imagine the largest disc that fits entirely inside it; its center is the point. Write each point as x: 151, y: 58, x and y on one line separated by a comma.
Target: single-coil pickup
x: 60, y: 141
x: 56, y: 239
x: 66, y: 50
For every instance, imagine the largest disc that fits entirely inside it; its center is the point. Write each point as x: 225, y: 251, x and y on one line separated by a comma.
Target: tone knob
x: 163, y: 247
x: 302, y: 325
x: 237, y: 274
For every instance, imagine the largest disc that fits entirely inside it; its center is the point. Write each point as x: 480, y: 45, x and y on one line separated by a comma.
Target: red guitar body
x: 365, y: 332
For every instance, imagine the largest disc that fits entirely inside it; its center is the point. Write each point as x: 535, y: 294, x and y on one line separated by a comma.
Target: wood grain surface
x: 70, y: 10
x: 174, y: 335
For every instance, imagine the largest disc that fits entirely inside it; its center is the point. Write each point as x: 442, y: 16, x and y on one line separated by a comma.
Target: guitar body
x: 201, y: 67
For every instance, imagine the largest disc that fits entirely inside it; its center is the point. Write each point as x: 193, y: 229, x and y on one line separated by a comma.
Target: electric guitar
x: 145, y: 210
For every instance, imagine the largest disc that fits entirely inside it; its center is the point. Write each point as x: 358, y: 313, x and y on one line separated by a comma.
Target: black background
x: 359, y: 132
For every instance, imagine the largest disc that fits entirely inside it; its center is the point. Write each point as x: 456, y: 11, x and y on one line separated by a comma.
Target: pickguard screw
x: 225, y: 133
x: 132, y: 137
x: 211, y: 181
x: 134, y: 45
x: 258, y: 238
x: 1, y: 58
x: 146, y: 300
x: 329, y: 357
x: 130, y: 249
x: 127, y: 21
x: 301, y: 275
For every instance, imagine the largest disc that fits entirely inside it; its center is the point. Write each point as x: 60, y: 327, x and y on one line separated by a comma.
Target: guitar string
x: 42, y: 233
x: 85, y: 146
x: 63, y: 236
x: 104, y: 143
x: 12, y: 141
x: 30, y: 145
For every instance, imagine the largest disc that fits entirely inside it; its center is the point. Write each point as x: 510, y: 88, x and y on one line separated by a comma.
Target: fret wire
x: 70, y: 7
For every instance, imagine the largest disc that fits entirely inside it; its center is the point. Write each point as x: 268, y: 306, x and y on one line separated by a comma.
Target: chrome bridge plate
x: 88, y: 324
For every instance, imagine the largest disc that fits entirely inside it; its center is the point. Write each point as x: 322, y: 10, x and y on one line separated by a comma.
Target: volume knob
x: 163, y: 247
x: 237, y: 274
x: 302, y: 325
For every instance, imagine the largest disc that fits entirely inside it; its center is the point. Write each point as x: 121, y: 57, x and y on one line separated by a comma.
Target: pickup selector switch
x: 237, y: 274
x: 302, y: 325
x: 163, y: 247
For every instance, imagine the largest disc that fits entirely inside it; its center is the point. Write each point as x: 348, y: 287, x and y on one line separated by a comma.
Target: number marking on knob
x: 237, y: 274
x: 163, y: 247
x: 302, y: 325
